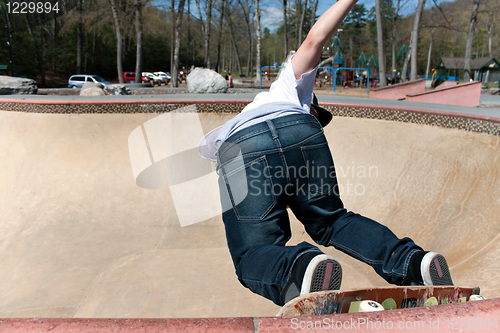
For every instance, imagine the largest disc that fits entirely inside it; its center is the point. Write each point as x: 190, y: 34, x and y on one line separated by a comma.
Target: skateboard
x: 376, y: 299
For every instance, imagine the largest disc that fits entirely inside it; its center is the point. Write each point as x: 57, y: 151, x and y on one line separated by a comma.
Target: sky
x: 272, y: 11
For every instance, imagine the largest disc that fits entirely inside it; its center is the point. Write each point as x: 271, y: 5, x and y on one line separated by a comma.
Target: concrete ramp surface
x: 79, y: 238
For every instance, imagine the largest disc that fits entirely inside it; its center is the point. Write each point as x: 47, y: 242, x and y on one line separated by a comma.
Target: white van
x: 77, y: 81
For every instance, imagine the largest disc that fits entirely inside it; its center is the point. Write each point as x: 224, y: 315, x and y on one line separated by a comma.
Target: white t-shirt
x: 286, y: 96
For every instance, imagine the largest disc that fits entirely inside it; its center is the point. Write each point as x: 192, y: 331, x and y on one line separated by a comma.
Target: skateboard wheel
x: 369, y: 306
x: 476, y: 298
x: 431, y: 301
x: 389, y: 304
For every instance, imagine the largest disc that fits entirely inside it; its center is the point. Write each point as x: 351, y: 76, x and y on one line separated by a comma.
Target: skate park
x: 82, y: 239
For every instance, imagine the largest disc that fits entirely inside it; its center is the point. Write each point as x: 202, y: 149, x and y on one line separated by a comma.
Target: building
x: 484, y: 69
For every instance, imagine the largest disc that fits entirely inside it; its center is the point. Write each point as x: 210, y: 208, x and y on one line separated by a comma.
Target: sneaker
x: 312, y: 272
x: 434, y: 270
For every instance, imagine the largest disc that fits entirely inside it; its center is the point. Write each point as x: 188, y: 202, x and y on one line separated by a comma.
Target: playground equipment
x: 329, y: 69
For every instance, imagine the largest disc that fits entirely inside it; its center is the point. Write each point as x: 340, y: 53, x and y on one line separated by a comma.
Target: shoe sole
x: 322, y: 273
x: 435, y: 270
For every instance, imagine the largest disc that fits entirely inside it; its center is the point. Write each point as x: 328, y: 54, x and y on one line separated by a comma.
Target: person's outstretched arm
x: 307, y: 56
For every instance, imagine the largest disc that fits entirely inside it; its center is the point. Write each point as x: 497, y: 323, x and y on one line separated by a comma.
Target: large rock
x: 117, y: 89
x: 204, y: 81
x: 17, y: 86
x: 92, y: 89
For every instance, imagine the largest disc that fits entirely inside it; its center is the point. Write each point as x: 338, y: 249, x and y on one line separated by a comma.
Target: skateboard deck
x: 375, y: 299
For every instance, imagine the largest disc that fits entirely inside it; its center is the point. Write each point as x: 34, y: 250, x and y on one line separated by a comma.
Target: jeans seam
x: 356, y: 254
x: 269, y: 151
x: 261, y: 154
x: 303, y: 142
x: 407, y: 262
x: 316, y: 146
x: 293, y: 123
x: 303, y: 151
x: 243, y: 167
x: 252, y: 134
x: 245, y: 137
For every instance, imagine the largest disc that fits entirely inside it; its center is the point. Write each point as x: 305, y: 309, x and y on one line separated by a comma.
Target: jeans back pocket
x: 249, y: 188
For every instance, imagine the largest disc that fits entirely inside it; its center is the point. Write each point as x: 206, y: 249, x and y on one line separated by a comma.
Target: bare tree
x: 470, y: 40
x: 314, y: 8
x: 79, y: 38
x: 412, y: 53
x: 206, y: 27
x: 246, y: 8
x: 219, y: 35
x: 493, y: 14
x: 397, y: 6
x: 119, y: 39
x: 414, y: 39
x: 303, y: 7
x: 436, y: 19
x: 285, y: 26
x: 257, y: 32
x: 139, y: 5
x: 9, y: 44
x: 429, y: 53
x: 233, y: 38
x: 177, y: 43
x: 380, y: 45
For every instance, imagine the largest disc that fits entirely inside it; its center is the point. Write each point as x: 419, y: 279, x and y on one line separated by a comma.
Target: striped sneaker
x: 311, y: 273
x: 322, y: 273
x: 435, y: 270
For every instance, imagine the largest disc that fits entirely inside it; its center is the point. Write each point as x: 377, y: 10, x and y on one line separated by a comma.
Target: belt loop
x: 272, y: 128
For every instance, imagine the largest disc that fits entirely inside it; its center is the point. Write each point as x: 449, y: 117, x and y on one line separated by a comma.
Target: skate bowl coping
x: 427, y: 319
x: 82, y: 240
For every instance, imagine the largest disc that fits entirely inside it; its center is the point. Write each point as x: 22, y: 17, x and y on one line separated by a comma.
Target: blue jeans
x: 286, y: 162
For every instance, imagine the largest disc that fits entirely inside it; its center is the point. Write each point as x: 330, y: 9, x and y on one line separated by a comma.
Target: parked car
x: 77, y: 81
x: 165, y: 77
x: 129, y: 77
x: 151, y: 78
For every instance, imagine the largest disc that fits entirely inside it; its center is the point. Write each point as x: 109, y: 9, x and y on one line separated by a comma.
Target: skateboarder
x: 274, y: 155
